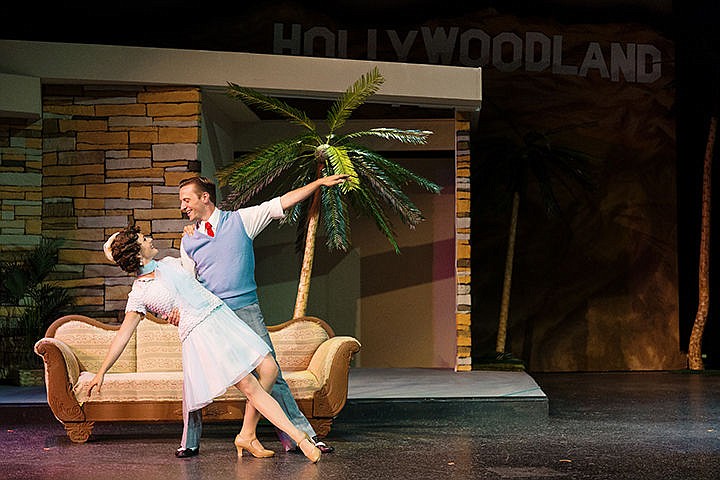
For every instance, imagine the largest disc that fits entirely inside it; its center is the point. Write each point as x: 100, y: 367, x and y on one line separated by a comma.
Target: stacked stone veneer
x: 462, y: 241
x: 109, y: 155
x: 20, y: 185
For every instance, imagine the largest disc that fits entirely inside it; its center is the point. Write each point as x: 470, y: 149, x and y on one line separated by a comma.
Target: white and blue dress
x: 218, y: 349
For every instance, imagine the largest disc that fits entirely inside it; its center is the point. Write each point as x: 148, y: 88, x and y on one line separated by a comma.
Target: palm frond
x: 46, y: 302
x: 353, y: 97
x: 366, y: 203
x: 411, y: 137
x: 43, y: 259
x: 383, y: 189
x: 575, y: 164
x: 255, y: 171
x: 340, y: 163
x: 335, y: 220
x: 399, y: 174
x: 24, y: 273
x: 270, y: 104
x: 539, y: 170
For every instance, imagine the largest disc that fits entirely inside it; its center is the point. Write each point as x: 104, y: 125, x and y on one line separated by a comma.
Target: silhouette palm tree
x: 515, y: 159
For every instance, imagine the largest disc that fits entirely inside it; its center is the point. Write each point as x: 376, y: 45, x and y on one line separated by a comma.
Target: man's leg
x: 252, y: 316
x: 192, y: 429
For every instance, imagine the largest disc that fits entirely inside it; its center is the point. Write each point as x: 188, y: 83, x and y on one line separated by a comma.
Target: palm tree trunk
x: 303, y: 292
x: 505, y: 304
x: 695, y: 346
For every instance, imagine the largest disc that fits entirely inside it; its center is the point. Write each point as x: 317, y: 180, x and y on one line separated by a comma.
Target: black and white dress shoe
x: 187, y: 452
x: 324, y: 447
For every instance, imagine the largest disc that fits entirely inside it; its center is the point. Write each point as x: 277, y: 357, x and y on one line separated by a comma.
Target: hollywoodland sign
x: 505, y: 51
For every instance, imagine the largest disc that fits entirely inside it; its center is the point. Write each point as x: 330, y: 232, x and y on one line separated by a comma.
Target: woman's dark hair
x: 126, y: 249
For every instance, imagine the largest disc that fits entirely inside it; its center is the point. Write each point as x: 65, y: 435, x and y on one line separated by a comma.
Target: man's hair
x: 126, y: 249
x: 202, y: 184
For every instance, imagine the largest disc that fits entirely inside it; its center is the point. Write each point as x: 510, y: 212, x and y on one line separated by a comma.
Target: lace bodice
x: 154, y: 295
x: 150, y: 295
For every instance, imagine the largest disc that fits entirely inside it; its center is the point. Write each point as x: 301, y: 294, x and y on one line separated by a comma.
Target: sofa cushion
x: 296, y: 344
x: 90, y: 344
x: 158, y: 347
x: 123, y: 387
x: 167, y: 386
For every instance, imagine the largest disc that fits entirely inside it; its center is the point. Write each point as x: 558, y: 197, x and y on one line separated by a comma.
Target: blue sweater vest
x: 225, y: 263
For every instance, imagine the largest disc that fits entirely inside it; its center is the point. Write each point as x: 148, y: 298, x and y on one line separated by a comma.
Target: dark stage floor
x: 655, y: 425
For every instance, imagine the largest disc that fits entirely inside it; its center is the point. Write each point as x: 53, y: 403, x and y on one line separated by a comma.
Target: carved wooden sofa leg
x: 79, y: 432
x: 321, y: 426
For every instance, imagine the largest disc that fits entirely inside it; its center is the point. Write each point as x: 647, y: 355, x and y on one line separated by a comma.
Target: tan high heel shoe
x: 309, y: 449
x: 253, y: 446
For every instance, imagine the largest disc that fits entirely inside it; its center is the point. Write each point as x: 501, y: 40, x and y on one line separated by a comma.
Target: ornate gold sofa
x: 145, y: 384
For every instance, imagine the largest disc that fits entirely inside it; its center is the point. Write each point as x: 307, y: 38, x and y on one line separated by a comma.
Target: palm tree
x: 374, y: 184
x: 521, y: 158
x: 695, y: 345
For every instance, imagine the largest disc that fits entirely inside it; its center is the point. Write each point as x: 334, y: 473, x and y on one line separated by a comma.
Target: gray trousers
x: 192, y: 421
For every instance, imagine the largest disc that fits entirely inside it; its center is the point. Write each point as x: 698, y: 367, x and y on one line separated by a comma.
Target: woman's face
x: 147, y: 249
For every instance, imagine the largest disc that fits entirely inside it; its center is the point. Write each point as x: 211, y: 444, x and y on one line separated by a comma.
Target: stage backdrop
x: 596, y: 288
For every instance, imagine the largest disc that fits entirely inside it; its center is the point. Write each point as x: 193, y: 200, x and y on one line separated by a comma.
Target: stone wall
x: 20, y: 184
x: 111, y: 155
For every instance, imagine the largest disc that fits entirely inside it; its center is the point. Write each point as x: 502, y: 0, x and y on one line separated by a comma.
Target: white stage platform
x: 404, y: 383
x: 398, y: 395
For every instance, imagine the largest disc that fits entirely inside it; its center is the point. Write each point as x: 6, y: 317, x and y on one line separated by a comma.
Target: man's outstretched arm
x: 293, y: 197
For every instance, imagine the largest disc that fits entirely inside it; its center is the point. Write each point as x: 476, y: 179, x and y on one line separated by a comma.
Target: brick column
x: 463, y: 360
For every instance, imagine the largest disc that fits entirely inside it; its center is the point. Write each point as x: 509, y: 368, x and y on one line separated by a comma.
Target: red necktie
x: 208, y: 229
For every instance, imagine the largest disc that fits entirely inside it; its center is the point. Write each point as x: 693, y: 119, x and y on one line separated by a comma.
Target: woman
x: 218, y: 349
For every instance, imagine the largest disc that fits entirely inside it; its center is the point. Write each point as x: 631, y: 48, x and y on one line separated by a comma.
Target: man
x: 218, y: 248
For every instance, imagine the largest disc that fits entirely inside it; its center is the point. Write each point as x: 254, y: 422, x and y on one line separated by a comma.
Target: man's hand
x: 174, y: 317
x: 332, y: 180
x: 189, y: 230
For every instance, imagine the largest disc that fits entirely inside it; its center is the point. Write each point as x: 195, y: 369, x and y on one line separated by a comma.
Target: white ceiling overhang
x: 288, y: 76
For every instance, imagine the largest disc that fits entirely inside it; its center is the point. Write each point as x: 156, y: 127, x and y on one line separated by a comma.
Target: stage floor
x: 604, y: 426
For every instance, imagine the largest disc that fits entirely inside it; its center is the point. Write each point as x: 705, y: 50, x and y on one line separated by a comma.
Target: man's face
x: 196, y: 206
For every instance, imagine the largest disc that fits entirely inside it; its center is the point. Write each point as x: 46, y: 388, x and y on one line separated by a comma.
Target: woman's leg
x: 266, y: 375
x: 270, y: 409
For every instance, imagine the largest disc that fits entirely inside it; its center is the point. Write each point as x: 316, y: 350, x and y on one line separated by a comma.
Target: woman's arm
x: 120, y: 341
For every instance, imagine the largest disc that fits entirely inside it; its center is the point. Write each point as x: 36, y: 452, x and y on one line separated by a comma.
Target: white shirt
x: 254, y: 219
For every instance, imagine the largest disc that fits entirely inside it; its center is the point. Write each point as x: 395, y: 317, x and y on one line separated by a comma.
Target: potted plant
x: 28, y: 304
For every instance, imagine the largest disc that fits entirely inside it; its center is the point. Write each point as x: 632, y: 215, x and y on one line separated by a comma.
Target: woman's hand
x: 96, y: 382
x: 173, y: 317
x: 189, y: 230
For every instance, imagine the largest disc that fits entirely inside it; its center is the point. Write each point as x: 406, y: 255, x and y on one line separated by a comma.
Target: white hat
x: 108, y: 244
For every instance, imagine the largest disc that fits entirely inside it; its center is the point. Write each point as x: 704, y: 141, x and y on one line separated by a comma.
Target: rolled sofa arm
x: 331, y: 365
x: 62, y: 371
